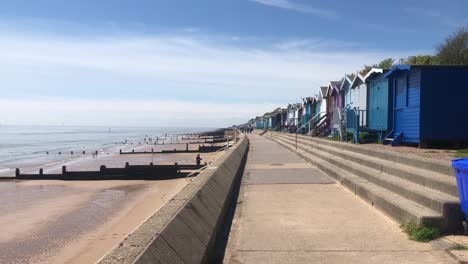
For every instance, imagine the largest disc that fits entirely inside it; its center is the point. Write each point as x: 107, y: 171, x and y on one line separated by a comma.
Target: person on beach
x: 199, y: 159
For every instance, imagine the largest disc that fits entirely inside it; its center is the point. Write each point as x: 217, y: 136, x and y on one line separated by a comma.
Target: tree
x: 455, y: 49
x: 366, y: 70
x: 420, y: 60
x: 386, y: 64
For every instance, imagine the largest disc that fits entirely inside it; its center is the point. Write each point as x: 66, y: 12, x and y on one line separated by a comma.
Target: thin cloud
x: 122, y: 79
x: 317, y: 44
x: 289, y: 5
x: 433, y: 15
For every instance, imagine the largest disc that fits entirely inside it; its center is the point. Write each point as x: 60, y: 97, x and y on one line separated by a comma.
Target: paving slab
x: 290, y: 212
x: 286, y: 176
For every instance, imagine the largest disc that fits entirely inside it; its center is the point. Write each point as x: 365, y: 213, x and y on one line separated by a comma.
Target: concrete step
x: 399, y: 208
x: 420, y: 176
x: 422, y: 195
x: 395, y: 157
x: 401, y: 199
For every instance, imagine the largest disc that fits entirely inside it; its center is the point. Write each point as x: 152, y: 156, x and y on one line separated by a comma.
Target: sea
x: 29, y: 146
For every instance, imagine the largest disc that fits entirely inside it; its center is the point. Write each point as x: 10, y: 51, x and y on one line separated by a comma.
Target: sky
x: 203, y: 63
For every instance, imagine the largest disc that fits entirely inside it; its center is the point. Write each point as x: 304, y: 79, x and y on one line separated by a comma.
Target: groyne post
x: 102, y: 169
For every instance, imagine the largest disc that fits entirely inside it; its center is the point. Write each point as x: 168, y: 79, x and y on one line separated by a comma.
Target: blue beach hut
x: 429, y: 105
x: 259, y: 122
x: 318, y: 105
x: 379, y: 101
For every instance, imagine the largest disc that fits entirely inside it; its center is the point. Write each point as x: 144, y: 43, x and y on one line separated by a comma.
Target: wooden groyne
x: 129, y: 172
x: 201, y: 149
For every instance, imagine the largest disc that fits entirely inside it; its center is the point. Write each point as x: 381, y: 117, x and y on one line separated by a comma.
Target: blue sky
x: 204, y: 62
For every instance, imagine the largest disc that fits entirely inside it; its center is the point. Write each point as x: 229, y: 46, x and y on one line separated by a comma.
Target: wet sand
x: 74, y: 222
x: 80, y: 221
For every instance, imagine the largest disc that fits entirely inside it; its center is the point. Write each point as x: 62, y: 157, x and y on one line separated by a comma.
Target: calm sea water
x: 22, y: 146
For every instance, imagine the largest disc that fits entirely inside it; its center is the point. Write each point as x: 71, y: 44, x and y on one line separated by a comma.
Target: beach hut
x: 429, y: 105
x: 292, y: 117
x: 259, y: 122
x: 318, y: 105
x: 284, y: 118
x: 358, y: 93
x: 335, y: 105
x: 323, y: 96
x: 300, y: 114
x: 345, y: 90
x: 379, y: 101
x: 269, y: 121
x: 359, y: 99
x: 321, y: 122
x: 335, y: 100
x: 276, y: 119
x: 309, y: 109
x: 309, y: 103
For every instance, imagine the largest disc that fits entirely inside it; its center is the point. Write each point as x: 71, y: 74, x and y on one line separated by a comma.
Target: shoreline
x: 80, y: 221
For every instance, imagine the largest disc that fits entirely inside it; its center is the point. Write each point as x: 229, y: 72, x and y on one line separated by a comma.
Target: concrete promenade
x: 290, y: 212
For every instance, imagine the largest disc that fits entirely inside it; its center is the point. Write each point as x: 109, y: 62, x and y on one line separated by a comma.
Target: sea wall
x: 186, y: 229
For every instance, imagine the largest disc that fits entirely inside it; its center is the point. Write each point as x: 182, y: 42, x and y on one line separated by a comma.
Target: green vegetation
x: 419, y: 232
x: 385, y: 64
x: 458, y: 247
x: 334, y: 137
x: 461, y: 153
x: 453, y: 51
x: 379, y: 140
x: 362, y: 137
x: 420, y: 60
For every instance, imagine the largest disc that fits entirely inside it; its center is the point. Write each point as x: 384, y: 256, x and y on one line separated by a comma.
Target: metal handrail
x: 308, y: 123
x: 191, y: 177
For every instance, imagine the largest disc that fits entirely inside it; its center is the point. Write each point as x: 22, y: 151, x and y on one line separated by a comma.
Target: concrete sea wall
x: 187, y: 228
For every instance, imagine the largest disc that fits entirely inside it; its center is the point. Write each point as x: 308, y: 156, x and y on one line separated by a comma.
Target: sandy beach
x: 80, y: 221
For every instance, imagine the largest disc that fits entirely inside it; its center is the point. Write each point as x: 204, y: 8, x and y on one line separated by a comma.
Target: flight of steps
x: 405, y: 187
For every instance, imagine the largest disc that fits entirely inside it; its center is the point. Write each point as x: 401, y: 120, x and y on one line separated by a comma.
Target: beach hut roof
x: 398, y: 68
x: 333, y: 85
x: 323, y: 91
x: 358, y: 80
x: 308, y: 99
x: 348, y: 78
x: 373, y: 73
